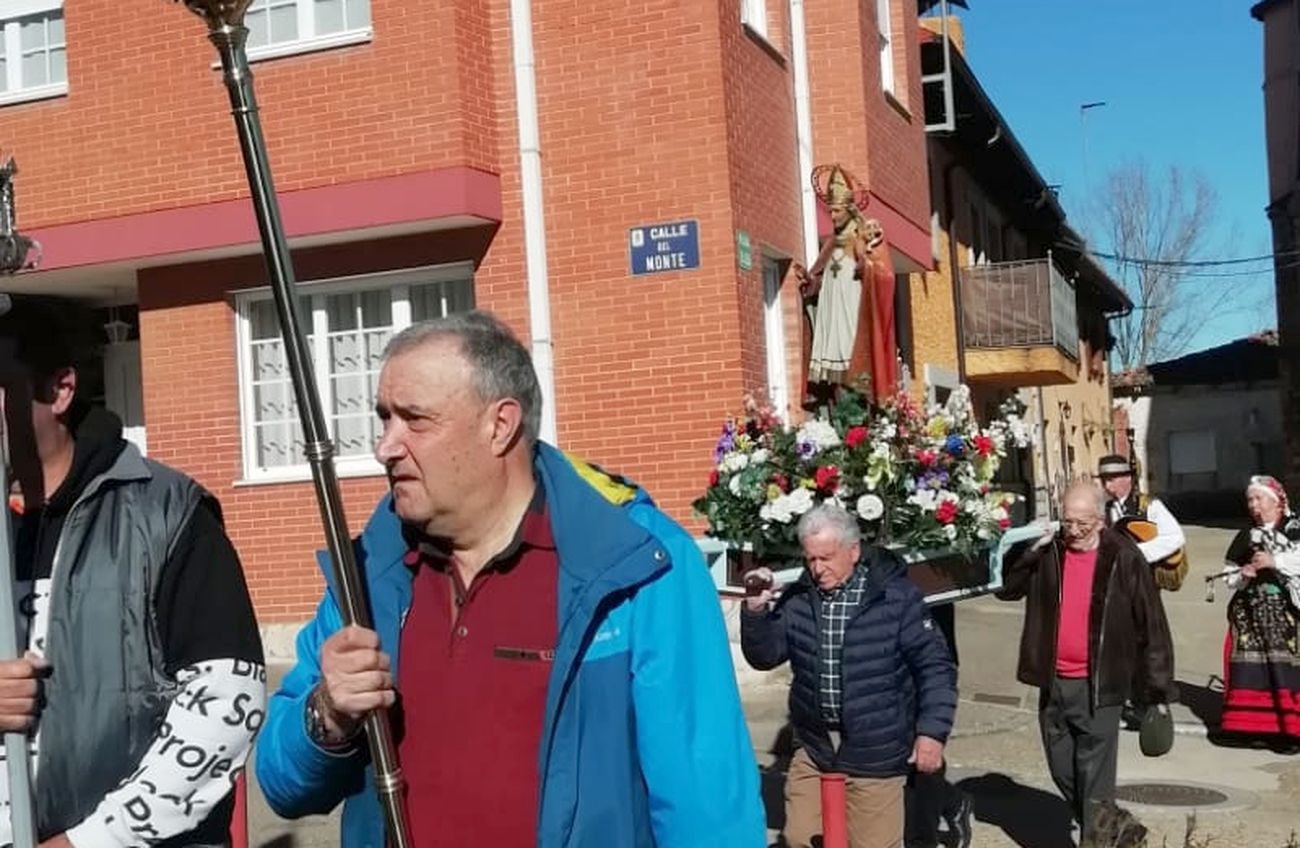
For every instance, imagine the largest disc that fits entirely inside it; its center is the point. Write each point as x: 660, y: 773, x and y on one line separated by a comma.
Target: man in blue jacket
x: 549, y: 641
x: 874, y: 688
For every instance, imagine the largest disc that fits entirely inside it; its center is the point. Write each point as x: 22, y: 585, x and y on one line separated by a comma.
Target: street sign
x: 744, y: 254
x: 655, y: 248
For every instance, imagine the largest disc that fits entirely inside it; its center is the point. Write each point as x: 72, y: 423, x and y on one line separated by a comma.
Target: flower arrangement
x: 919, y: 478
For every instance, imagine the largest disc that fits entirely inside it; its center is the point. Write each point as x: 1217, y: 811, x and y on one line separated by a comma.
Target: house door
x: 778, y: 381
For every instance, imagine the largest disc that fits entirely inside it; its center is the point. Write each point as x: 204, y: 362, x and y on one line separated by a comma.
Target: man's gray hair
x: 1082, y: 489
x: 829, y: 517
x: 501, y: 365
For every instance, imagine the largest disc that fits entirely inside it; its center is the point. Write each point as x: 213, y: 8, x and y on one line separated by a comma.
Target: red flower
x: 983, y: 445
x: 713, y: 478
x: 827, y: 478
x: 1004, y: 523
x: 926, y: 457
x: 855, y: 436
x: 781, y: 482
x: 946, y: 513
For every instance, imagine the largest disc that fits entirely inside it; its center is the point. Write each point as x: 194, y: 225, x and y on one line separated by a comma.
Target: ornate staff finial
x: 14, y: 246
x: 219, y: 13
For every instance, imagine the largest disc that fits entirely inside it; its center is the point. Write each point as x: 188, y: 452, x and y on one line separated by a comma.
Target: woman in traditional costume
x: 1262, y: 655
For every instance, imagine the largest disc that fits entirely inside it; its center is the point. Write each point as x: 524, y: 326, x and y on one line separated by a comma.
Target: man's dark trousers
x: 1082, y: 744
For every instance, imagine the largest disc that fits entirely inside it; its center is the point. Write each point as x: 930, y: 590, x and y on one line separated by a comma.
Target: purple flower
x: 806, y: 450
x: 933, y: 479
x: 726, y: 442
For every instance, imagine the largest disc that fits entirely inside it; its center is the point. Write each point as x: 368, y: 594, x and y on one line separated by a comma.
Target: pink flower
x: 946, y: 512
x: 926, y: 457
x: 827, y: 478
x: 1004, y: 523
x: 855, y: 436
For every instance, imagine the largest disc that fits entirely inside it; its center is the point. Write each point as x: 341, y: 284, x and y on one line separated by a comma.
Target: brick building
x: 414, y: 181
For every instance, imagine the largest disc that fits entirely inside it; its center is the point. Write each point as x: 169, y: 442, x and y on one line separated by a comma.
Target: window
x: 753, y: 14
x: 885, y: 27
x: 348, y: 322
x: 1192, y: 452
x: 33, y: 51
x: 280, y: 27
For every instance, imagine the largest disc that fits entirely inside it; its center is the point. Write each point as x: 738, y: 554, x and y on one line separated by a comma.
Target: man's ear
x: 60, y: 389
x: 507, y: 424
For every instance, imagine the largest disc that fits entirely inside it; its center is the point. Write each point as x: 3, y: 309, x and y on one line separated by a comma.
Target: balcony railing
x: 1019, y: 304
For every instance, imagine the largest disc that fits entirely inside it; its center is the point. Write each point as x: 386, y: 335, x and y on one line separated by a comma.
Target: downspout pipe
x: 803, y: 129
x: 534, y: 218
x: 945, y: 177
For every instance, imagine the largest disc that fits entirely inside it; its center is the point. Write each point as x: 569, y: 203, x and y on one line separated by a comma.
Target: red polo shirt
x: 475, y: 662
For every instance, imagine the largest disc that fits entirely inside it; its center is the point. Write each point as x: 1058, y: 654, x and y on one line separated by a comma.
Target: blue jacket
x: 899, y: 680
x: 642, y: 655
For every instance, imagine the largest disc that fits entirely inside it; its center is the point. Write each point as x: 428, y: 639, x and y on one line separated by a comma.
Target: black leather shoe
x: 960, y: 829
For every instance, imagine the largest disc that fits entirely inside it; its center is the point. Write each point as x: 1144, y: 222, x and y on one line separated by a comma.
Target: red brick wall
x: 674, y: 111
x: 146, y: 122
x: 855, y: 123
x: 763, y: 171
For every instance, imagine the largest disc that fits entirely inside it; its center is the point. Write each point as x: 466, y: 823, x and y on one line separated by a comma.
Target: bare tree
x: 1154, y: 225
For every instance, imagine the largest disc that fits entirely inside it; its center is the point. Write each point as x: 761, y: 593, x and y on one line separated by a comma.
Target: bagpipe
x: 1169, y: 572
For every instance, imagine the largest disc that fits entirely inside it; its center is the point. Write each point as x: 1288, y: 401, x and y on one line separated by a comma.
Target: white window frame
x: 398, y: 282
x: 12, y: 12
x: 753, y: 14
x: 778, y: 382
x: 885, y: 27
x: 308, y: 41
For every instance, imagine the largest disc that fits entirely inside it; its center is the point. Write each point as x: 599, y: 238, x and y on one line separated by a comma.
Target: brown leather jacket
x: 1130, y: 652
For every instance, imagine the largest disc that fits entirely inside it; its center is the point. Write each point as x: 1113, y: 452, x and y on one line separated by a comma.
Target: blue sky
x: 1182, y: 84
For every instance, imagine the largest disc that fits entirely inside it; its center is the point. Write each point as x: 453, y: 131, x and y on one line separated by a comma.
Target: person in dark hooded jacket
x: 1095, y: 633
x: 874, y: 689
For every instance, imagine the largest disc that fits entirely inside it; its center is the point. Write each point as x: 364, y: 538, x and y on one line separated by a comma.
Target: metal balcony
x: 1020, y: 323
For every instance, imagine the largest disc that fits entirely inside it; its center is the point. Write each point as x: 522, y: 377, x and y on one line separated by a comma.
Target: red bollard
x: 835, y: 830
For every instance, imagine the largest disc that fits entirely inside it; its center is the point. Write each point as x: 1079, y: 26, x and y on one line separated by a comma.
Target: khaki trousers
x: 875, y: 807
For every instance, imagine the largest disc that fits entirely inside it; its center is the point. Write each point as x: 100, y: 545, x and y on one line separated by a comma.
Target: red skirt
x: 1261, y: 663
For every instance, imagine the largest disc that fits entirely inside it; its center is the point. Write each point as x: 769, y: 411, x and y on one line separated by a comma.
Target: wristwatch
x: 318, y: 729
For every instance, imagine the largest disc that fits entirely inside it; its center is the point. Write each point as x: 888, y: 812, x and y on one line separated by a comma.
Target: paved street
x: 996, y: 755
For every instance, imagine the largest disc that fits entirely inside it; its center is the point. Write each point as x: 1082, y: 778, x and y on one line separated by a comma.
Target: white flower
x: 950, y: 530
x: 787, y: 506
x: 1000, y: 514
x: 801, y: 500
x: 818, y: 434
x: 926, y: 499
x: 734, y: 485
x: 735, y: 461
x: 870, y: 507
x: 759, y: 456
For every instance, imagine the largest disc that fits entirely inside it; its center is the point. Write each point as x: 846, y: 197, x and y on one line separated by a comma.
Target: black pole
x: 229, y: 35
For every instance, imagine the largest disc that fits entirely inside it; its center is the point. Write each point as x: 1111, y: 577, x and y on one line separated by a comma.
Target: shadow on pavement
x: 1030, y: 817
x: 773, y: 778
x: 1205, y: 702
x: 284, y: 841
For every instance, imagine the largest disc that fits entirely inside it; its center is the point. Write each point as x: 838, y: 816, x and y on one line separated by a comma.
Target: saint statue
x: 853, y: 280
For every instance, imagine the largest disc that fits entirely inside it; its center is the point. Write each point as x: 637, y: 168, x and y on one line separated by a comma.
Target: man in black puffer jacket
x: 874, y: 689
